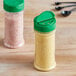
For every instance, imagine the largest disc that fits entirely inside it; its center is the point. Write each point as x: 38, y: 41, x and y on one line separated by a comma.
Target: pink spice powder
x: 13, y: 30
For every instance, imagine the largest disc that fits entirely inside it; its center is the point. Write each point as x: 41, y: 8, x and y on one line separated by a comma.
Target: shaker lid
x: 45, y: 22
x: 13, y: 5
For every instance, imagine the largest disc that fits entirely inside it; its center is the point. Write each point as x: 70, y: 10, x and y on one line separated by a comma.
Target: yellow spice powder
x: 44, y: 51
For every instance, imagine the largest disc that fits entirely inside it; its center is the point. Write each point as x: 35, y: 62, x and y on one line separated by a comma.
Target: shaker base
x: 44, y: 69
x: 13, y: 47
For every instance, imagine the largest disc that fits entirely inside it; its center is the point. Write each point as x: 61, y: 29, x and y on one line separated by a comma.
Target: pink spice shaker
x: 13, y: 23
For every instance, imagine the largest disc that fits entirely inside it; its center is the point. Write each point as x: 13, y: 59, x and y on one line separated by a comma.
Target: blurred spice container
x: 44, y: 26
x: 13, y: 23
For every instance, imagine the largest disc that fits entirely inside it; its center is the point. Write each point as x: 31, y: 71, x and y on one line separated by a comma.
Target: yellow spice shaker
x: 44, y: 26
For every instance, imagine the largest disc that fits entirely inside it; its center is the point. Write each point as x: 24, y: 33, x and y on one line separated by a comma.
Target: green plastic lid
x: 45, y: 22
x: 13, y: 5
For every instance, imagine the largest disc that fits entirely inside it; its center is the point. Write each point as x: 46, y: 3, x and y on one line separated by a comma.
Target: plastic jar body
x: 13, y: 29
x: 44, y: 51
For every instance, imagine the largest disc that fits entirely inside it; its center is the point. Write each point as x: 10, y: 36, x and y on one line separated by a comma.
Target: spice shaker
x: 45, y: 27
x: 13, y: 23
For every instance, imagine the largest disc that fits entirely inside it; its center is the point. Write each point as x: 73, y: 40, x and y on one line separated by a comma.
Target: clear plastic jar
x: 44, y: 26
x: 13, y: 24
